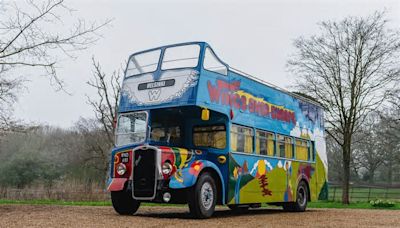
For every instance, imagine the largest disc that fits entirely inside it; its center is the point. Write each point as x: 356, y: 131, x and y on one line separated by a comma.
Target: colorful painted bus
x: 192, y: 130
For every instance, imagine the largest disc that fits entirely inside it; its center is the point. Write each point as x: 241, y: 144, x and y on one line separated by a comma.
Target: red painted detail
x: 165, y: 148
x: 167, y: 154
x: 196, y: 167
x: 263, y: 181
x: 224, y: 93
x: 118, y: 159
x: 214, y: 92
x: 117, y: 184
x: 305, y: 171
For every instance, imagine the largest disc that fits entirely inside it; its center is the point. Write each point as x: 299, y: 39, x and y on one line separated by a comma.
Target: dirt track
x: 82, y: 216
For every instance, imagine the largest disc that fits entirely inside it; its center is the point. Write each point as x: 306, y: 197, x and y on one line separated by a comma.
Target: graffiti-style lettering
x: 229, y: 93
x: 214, y: 92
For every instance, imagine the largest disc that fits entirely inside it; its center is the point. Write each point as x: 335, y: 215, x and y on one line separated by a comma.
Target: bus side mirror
x: 205, y: 114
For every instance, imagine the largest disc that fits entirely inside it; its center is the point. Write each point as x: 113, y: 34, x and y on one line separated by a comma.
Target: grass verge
x: 354, y: 205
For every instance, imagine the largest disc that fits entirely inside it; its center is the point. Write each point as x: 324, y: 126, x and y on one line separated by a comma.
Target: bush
x: 382, y: 203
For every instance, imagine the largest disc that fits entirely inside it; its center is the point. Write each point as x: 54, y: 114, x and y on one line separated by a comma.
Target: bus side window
x: 210, y: 136
x: 265, y: 143
x: 288, y: 147
x: 302, y: 150
x: 285, y: 146
x: 311, y: 151
x: 241, y: 139
x: 280, y: 145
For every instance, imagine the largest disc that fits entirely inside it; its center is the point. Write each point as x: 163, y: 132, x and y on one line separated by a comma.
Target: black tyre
x: 123, y: 203
x: 300, y: 204
x: 239, y: 208
x: 288, y: 206
x: 203, y: 197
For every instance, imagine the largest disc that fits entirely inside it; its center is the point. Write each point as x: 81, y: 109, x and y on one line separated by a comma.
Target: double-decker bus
x: 192, y: 130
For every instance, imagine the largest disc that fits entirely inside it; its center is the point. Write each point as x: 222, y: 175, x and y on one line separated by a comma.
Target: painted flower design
x: 196, y: 167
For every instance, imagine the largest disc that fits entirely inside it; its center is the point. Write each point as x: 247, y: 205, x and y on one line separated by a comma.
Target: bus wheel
x: 239, y: 208
x: 203, y: 197
x: 123, y: 203
x: 300, y: 204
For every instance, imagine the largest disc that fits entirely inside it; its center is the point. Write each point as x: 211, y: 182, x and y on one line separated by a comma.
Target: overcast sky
x: 253, y: 36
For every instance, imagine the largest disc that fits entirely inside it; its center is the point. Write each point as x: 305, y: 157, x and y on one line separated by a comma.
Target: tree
x: 348, y: 69
x: 32, y: 155
x: 34, y: 35
x: 98, y: 133
x: 105, y: 105
x: 370, y: 149
x: 335, y: 161
x: 94, y: 144
x: 390, y: 136
x: 394, y: 100
x: 8, y: 88
x: 20, y: 172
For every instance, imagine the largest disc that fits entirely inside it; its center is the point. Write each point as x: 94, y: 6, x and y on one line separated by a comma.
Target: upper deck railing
x: 273, y: 86
x: 193, y: 58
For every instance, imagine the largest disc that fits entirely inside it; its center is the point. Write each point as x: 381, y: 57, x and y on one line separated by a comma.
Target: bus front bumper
x: 164, y: 194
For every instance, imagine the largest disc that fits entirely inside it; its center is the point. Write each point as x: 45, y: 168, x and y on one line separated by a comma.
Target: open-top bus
x: 192, y: 130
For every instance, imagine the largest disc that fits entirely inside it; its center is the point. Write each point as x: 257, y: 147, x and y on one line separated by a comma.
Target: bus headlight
x: 121, y: 169
x: 166, y: 168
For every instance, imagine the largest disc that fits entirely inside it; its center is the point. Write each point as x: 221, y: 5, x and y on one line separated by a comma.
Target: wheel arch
x: 308, y: 187
x: 218, y: 181
x: 190, y: 175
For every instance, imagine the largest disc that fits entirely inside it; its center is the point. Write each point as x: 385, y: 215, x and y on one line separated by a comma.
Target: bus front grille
x: 144, y: 174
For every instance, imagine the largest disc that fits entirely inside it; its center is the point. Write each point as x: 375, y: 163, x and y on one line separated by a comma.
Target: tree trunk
x: 346, y: 171
x: 390, y: 173
x: 371, y: 175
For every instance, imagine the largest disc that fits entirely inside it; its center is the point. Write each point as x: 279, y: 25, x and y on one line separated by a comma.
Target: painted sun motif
x: 262, y: 170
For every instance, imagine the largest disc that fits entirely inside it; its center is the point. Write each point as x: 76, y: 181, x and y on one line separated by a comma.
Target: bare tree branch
x: 34, y: 34
x: 105, y: 105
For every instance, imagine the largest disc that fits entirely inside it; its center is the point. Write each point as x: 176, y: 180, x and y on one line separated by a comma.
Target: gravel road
x: 89, y: 216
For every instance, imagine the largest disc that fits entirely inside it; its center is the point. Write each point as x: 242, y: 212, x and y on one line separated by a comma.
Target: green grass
x: 319, y: 204
x: 354, y: 205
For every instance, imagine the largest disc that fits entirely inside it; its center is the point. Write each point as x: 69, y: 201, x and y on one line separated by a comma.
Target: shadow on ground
x: 217, y: 214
